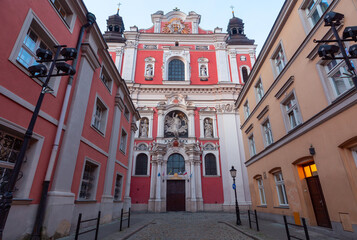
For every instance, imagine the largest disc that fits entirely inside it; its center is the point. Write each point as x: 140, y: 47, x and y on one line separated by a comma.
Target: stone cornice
x: 185, y: 89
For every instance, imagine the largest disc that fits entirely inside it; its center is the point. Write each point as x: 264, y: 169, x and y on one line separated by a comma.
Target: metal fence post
x: 129, y: 219
x: 78, y: 226
x: 121, y: 218
x: 250, y: 224
x: 97, y: 229
x: 305, y: 229
x: 286, y: 227
x: 256, y: 219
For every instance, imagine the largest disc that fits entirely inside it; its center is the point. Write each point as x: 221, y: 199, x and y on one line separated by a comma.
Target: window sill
x: 140, y: 175
x: 282, y: 207
x: 212, y: 176
x: 21, y: 201
x: 262, y: 206
x: 84, y: 201
x: 211, y: 139
x: 122, y: 152
x: 183, y: 82
x: 97, y: 130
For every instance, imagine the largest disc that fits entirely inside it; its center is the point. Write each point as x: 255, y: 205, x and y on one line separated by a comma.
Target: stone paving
x: 197, y: 226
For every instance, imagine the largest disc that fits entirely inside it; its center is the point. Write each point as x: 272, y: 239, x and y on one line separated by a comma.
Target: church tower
x: 184, y: 81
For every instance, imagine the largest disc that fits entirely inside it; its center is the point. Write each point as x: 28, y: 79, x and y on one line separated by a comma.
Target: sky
x: 257, y: 15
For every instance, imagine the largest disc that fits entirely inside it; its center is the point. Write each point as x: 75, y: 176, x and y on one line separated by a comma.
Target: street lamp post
x: 327, y: 52
x: 233, y: 172
x: 37, y: 71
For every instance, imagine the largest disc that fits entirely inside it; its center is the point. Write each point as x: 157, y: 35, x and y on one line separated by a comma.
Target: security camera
x: 44, y: 54
x: 69, y: 53
x: 38, y: 70
x: 327, y: 51
x: 350, y: 32
x: 333, y: 17
x: 66, y: 68
x: 353, y: 50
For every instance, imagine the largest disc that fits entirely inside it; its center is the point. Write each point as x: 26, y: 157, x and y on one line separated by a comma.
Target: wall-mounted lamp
x: 312, y: 150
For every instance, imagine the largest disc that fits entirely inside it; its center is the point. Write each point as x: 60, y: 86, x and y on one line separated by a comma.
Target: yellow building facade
x: 299, y: 121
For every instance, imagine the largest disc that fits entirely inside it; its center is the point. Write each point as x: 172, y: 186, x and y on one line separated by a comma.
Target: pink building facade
x: 184, y: 81
x: 84, y: 134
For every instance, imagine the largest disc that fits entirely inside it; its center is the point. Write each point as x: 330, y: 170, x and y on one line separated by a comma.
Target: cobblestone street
x: 189, y: 226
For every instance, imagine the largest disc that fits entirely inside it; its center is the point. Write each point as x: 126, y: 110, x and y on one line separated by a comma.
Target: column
x: 151, y: 207
x: 160, y: 124
x: 234, y: 66
x: 193, y: 181
x: 199, y: 198
x: 191, y: 123
x: 113, y: 147
x: 158, y: 184
x: 222, y: 62
x: 129, y: 63
x: 127, y: 198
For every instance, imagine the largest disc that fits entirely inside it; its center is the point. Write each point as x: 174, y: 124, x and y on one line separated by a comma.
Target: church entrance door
x: 175, y: 197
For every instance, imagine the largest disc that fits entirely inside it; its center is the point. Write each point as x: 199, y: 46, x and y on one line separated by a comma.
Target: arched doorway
x: 175, y: 193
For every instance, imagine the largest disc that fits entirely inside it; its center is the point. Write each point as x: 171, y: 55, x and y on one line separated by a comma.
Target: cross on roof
x: 118, y: 7
x: 232, y: 10
x: 176, y: 9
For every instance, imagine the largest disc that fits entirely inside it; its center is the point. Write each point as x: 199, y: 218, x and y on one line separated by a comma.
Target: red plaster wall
x: 140, y: 66
x: 242, y: 63
x: 140, y: 189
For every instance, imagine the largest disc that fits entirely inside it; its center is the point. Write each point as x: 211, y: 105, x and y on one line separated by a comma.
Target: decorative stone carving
x: 176, y: 25
x: 208, y: 128
x: 176, y: 99
x: 131, y: 43
x: 144, y: 128
x: 141, y: 147
x: 220, y: 45
x: 210, y: 147
x: 225, y: 108
x: 176, y: 124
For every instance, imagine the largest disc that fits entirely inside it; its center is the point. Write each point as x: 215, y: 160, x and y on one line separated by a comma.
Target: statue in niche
x: 208, y: 126
x: 149, y: 70
x: 203, y: 71
x: 176, y: 125
x: 144, y: 126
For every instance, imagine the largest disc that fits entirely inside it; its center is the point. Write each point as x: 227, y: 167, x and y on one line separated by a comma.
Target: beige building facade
x: 298, y: 115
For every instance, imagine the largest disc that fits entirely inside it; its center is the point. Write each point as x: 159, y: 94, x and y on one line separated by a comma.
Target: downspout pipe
x: 36, y: 232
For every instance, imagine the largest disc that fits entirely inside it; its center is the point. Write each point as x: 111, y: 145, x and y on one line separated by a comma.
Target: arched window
x: 245, y: 74
x: 141, y: 166
x: 175, y: 164
x: 176, y: 70
x: 210, y: 164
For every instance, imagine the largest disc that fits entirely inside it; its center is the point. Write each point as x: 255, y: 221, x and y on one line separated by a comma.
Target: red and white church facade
x: 184, y: 81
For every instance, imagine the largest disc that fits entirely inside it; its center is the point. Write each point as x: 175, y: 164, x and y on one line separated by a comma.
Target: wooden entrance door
x: 175, y: 196
x: 318, y: 202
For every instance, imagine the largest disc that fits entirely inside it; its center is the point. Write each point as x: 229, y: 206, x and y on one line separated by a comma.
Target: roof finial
x: 118, y: 7
x: 232, y: 10
x: 176, y: 9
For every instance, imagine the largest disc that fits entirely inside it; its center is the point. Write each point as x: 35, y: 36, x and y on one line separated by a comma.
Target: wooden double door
x: 318, y: 202
x: 175, y: 195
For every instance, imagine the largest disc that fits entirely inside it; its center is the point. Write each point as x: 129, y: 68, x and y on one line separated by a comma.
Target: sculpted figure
x: 144, y: 128
x: 208, y: 129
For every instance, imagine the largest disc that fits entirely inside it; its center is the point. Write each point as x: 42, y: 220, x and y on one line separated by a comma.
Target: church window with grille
x: 141, y: 166
x: 176, y: 70
x: 175, y: 164
x: 210, y: 164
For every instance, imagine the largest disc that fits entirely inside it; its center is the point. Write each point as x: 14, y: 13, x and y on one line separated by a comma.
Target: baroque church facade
x: 184, y: 81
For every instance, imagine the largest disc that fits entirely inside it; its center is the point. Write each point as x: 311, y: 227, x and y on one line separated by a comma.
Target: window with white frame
x: 246, y: 109
x: 314, y: 9
x: 118, y: 187
x: 100, y: 114
x: 259, y: 91
x: 210, y: 164
x: 252, y: 149
x: 243, y: 58
x: 291, y: 112
x: 64, y: 11
x: 104, y: 76
x: 280, y: 188
x: 267, y: 133
x: 339, y: 78
x: 33, y: 35
x: 279, y: 60
x: 261, y: 191
x: 123, y: 141
x: 10, y: 146
x: 141, y: 164
x: 88, y: 183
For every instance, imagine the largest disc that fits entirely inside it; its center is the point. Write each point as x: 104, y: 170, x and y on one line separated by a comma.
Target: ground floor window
x: 280, y: 188
x: 175, y: 164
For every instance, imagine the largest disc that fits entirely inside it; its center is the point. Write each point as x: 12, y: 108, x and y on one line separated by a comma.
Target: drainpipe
x: 36, y: 232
